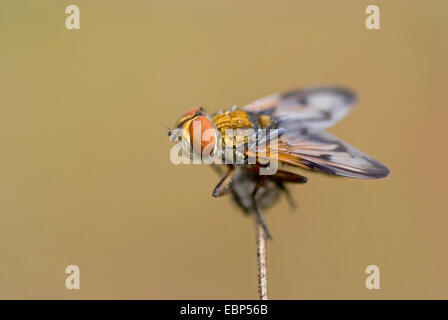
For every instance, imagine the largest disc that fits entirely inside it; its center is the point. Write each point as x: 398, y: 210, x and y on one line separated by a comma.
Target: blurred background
x: 85, y: 175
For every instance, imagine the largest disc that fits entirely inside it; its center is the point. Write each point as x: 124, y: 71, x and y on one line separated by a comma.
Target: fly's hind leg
x: 292, y: 203
x: 221, y: 187
x: 285, y: 176
x: 257, y: 210
x: 281, y: 177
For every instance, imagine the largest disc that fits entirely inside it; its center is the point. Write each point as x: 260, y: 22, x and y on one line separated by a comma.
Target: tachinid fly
x: 299, y: 118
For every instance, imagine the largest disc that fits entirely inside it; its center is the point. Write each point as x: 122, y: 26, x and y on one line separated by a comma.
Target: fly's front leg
x: 221, y: 187
x: 257, y: 210
x: 217, y: 168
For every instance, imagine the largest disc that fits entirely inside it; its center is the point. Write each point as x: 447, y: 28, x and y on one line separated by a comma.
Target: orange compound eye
x: 190, y: 112
x: 202, y: 136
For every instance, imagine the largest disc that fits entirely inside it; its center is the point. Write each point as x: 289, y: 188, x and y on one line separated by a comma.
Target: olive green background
x: 85, y: 174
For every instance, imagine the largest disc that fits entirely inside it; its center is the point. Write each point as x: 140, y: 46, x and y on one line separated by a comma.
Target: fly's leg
x: 289, y: 198
x: 221, y: 187
x: 281, y: 177
x: 217, y: 168
x: 257, y: 210
x: 285, y: 176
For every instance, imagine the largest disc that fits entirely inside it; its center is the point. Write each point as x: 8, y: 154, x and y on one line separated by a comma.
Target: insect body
x: 299, y: 118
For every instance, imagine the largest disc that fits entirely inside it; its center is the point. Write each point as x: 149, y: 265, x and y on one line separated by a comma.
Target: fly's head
x: 197, y: 133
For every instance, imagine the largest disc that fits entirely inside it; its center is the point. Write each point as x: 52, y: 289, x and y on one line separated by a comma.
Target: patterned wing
x: 310, y: 109
x: 326, y: 153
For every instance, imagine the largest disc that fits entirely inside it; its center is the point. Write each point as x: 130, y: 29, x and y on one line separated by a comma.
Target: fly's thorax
x: 235, y: 119
x: 234, y: 143
x: 243, y: 135
x: 234, y: 128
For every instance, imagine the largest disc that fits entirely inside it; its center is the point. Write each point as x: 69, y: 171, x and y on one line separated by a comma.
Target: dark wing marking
x: 324, y: 152
x: 310, y: 109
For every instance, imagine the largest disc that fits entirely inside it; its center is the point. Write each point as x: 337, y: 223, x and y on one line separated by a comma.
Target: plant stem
x: 261, y: 260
